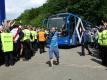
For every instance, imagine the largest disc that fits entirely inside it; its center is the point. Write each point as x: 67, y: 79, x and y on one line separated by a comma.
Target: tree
x: 90, y: 10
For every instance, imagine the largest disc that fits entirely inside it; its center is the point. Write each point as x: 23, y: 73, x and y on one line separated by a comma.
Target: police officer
x: 33, y: 40
x: 42, y: 40
x: 104, y: 44
x: 100, y: 40
x: 27, y: 52
x: 7, y: 47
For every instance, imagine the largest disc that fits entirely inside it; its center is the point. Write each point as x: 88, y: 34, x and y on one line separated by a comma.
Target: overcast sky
x: 15, y: 7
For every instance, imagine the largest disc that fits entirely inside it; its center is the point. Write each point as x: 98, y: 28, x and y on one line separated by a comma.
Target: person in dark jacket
x: 85, y: 43
x: 1, y: 52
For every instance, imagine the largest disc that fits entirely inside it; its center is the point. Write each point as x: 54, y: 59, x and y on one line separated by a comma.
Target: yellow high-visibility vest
x: 100, y: 38
x: 104, y: 38
x: 34, y: 35
x: 7, y: 42
x: 26, y: 34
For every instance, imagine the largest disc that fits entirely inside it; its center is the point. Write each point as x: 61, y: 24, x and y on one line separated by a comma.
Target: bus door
x: 72, y: 32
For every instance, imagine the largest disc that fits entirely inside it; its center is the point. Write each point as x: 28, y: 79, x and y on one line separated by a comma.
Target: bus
x: 69, y: 26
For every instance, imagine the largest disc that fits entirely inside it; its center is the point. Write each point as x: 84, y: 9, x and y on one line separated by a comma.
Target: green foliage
x: 90, y: 10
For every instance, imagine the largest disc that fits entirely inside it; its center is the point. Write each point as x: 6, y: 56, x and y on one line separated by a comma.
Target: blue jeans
x: 53, y: 51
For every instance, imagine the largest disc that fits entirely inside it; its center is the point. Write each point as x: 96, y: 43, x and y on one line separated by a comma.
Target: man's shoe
x: 7, y: 65
x: 50, y: 65
x: 56, y: 63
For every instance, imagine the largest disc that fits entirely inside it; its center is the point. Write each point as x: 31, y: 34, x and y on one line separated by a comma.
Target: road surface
x: 72, y: 67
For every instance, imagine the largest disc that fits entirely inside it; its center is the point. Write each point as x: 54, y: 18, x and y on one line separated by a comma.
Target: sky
x: 14, y: 8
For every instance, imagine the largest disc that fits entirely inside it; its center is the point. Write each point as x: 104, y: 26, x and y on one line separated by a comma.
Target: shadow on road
x: 95, y: 54
x: 79, y: 53
x: 67, y: 47
x: 97, y: 61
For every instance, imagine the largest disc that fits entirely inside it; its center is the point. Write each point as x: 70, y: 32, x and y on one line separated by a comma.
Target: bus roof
x: 63, y: 15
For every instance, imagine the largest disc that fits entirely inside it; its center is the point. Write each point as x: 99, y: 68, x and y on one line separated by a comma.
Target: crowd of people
x: 22, y: 42
x: 96, y: 38
x: 18, y: 42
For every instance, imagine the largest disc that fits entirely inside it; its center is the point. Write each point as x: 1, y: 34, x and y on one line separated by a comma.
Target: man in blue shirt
x: 53, y: 46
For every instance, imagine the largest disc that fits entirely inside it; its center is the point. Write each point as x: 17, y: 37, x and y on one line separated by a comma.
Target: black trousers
x: 8, y: 58
x: 99, y: 51
x: 27, y: 52
x: 103, y: 54
x: 35, y: 45
x: 42, y: 46
x: 85, y: 46
x: 16, y: 51
x: 1, y: 57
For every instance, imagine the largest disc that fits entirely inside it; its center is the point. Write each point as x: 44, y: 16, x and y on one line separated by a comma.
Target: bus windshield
x: 57, y: 22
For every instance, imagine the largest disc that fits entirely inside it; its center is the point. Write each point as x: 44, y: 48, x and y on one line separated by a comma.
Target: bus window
x: 60, y: 24
x: 64, y: 31
x: 56, y: 22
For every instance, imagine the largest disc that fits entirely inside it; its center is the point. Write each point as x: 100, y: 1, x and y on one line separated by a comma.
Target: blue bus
x: 69, y: 26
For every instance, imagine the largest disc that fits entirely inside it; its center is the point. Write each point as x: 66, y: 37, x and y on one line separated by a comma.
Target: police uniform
x: 7, y: 48
x: 104, y: 47
x: 26, y: 44
x: 36, y: 44
x: 100, y: 43
x: 34, y: 40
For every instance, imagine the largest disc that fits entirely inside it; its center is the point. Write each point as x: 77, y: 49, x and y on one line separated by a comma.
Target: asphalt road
x: 72, y: 67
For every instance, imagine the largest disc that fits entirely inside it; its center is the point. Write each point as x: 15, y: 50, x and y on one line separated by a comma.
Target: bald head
x: 53, y: 29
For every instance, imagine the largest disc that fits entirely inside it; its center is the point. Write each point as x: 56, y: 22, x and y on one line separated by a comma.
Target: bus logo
x: 79, y: 29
